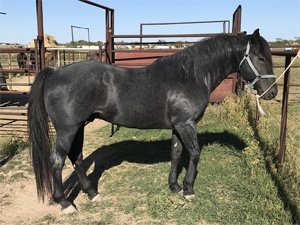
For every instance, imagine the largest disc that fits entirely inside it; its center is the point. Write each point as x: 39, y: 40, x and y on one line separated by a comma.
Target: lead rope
x: 259, y: 96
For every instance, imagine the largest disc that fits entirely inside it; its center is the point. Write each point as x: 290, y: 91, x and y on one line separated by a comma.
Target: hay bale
x: 49, y: 42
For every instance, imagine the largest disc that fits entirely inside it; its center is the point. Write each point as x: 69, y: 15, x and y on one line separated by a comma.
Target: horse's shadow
x: 14, y: 100
x: 141, y: 152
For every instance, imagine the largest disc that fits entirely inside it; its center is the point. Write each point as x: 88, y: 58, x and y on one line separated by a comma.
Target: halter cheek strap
x: 258, y: 76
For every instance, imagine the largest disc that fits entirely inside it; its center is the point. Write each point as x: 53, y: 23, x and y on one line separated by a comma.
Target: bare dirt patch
x: 19, y: 203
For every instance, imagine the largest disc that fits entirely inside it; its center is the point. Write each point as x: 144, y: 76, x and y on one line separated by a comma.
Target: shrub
x: 10, y: 146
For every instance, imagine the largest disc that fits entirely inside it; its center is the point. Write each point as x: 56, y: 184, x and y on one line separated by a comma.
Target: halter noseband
x: 258, y: 76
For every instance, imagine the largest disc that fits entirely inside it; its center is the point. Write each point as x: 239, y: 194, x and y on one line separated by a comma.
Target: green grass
x: 15, y: 162
x: 17, y: 176
x: 233, y: 185
x: 48, y: 219
x: 286, y: 178
x: 238, y: 179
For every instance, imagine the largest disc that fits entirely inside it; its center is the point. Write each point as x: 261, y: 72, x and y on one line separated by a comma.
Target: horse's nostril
x: 272, y: 95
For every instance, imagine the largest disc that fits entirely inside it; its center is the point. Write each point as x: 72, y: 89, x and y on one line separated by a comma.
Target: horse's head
x: 256, y: 66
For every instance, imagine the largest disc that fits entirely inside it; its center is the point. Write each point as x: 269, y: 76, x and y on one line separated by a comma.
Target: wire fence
x: 285, y: 113
x: 289, y: 113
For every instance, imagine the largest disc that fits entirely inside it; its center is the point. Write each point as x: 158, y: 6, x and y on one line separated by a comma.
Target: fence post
x: 64, y: 54
x: 58, y: 57
x: 36, y: 55
x: 286, y: 84
x: 40, y: 37
x: 100, y: 54
x: 9, y: 74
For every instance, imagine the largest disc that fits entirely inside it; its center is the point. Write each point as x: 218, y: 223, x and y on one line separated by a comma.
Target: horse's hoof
x: 70, y: 209
x: 180, y: 193
x: 190, y: 198
x: 97, y: 198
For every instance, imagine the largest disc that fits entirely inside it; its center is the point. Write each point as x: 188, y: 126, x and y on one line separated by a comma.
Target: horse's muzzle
x: 270, y: 94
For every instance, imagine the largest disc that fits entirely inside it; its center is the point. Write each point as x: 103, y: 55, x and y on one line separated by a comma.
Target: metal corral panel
x: 138, y: 59
x: 223, y: 90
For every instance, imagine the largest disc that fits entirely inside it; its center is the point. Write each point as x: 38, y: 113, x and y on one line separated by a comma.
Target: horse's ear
x: 255, y: 36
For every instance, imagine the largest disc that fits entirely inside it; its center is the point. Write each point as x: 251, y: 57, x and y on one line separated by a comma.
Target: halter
x: 258, y: 76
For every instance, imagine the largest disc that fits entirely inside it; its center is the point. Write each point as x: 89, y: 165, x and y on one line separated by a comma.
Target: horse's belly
x: 140, y: 118
x: 145, y: 123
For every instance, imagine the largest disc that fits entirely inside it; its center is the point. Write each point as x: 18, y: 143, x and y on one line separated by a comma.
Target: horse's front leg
x: 176, y: 151
x: 188, y: 134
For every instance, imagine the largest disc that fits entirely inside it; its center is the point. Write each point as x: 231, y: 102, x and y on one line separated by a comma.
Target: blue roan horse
x: 171, y: 93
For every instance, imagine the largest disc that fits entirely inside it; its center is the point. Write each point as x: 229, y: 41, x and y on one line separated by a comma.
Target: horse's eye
x: 261, y: 59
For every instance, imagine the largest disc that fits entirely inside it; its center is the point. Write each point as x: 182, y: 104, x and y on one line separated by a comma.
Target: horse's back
x: 142, y: 98
x: 90, y: 89
x: 71, y: 91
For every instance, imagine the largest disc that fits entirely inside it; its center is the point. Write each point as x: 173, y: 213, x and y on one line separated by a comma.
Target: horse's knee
x: 195, y: 158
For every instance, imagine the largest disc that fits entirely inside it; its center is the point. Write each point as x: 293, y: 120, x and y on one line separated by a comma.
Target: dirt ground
x: 18, y: 199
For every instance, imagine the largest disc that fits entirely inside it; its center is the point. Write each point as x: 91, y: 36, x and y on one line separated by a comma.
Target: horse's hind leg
x: 176, y: 151
x: 75, y: 155
x: 84, y: 181
x: 64, y: 141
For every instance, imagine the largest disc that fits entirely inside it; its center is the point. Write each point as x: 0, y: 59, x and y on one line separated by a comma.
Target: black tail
x: 39, y: 135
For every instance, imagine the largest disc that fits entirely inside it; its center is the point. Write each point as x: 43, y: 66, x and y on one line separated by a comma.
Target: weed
x: 287, y: 178
x: 17, y: 176
x: 97, y: 223
x: 164, y: 203
x: 108, y: 218
x: 90, y: 207
x: 12, y: 164
x: 10, y: 146
x: 48, y: 219
x: 2, y: 177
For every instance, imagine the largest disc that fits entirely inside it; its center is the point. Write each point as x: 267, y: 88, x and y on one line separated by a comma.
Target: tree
x: 280, y: 41
x: 81, y: 43
x: 99, y: 43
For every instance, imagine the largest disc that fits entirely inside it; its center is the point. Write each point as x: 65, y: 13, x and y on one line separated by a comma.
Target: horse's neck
x: 224, y: 64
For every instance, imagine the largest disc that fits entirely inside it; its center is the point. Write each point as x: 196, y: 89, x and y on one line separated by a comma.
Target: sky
x: 274, y: 18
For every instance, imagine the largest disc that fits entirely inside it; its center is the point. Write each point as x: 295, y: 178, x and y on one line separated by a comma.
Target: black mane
x: 208, y: 56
